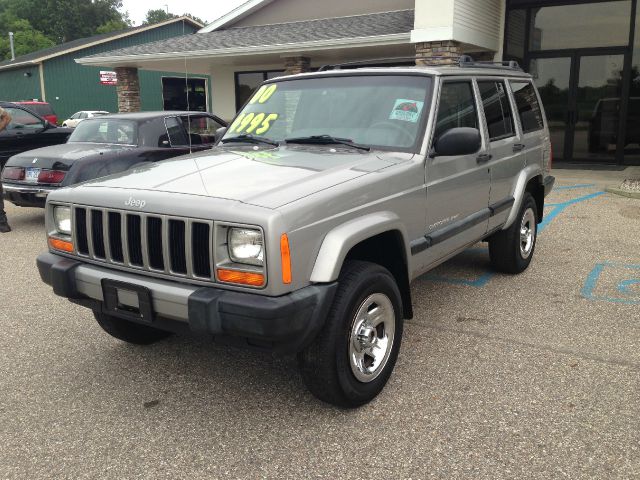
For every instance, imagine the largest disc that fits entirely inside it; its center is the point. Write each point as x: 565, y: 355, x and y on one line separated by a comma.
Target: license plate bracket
x: 115, y: 291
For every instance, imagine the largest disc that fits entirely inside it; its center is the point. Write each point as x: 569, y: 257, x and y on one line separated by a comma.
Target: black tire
x: 505, y: 246
x: 128, y: 331
x: 325, y: 365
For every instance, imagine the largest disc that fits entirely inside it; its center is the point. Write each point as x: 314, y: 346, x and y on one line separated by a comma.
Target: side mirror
x: 457, y: 141
x: 220, y: 133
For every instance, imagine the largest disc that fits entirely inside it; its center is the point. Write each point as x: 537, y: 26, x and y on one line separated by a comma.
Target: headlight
x: 62, y: 219
x: 246, y: 246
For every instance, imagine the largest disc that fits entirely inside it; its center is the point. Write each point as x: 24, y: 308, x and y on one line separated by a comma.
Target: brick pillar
x: 294, y: 65
x: 128, y: 89
x: 449, y: 50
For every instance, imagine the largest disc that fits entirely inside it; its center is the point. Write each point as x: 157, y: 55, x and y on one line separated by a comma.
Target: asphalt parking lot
x: 533, y: 376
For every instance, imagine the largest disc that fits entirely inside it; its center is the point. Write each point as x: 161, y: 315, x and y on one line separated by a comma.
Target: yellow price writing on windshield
x: 263, y: 94
x: 257, y: 123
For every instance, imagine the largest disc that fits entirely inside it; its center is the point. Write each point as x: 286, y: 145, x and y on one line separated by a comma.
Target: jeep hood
x: 266, y: 178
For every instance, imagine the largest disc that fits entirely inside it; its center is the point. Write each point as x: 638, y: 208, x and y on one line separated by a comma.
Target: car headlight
x: 62, y: 219
x: 246, y: 246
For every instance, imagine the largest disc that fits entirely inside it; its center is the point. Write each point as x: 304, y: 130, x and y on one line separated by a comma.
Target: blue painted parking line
x: 558, y: 208
x: 573, y: 187
x: 552, y: 211
x: 613, y: 282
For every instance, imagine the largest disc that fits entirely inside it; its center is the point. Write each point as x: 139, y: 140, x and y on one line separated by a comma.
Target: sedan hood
x: 61, y: 157
x: 266, y: 178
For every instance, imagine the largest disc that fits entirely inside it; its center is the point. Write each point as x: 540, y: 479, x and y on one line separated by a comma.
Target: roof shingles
x: 358, y: 26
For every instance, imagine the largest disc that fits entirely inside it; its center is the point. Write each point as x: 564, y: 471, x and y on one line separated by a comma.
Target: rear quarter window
x: 528, y: 106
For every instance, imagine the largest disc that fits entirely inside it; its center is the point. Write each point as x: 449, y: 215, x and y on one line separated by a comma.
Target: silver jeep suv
x: 301, y: 231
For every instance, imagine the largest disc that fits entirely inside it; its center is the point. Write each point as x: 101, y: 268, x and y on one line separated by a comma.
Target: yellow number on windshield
x: 266, y: 124
x: 245, y: 121
x: 263, y: 94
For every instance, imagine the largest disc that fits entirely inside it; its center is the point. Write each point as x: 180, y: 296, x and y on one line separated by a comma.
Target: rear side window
x: 528, y: 106
x: 497, y: 110
x: 457, y: 107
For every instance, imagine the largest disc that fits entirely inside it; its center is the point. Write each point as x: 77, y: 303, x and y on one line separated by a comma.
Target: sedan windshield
x: 113, y: 131
x: 384, y: 111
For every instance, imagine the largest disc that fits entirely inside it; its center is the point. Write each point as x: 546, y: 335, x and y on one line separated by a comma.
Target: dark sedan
x: 27, y: 131
x: 103, y: 146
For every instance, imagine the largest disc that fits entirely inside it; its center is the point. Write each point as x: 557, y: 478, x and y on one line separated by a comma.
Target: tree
x: 65, y: 20
x: 158, y: 15
x: 26, y: 38
x: 113, y: 26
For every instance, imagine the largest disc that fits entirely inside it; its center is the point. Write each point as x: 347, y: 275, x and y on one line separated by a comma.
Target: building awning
x: 366, y: 31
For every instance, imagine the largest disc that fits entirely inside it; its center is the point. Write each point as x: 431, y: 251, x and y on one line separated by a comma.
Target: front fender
x: 339, y: 241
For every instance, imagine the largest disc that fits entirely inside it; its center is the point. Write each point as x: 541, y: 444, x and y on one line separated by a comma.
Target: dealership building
x: 584, y: 55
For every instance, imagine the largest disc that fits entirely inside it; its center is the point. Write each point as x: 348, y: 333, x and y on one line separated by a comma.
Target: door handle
x: 483, y: 158
x: 518, y: 147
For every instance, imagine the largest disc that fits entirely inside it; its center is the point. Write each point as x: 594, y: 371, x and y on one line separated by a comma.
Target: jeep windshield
x: 111, y: 131
x: 379, y: 111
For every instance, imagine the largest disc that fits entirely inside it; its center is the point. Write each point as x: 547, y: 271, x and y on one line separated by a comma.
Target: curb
x: 623, y: 193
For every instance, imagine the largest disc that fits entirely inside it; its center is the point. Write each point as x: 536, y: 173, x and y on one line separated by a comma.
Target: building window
x: 603, y: 24
x: 248, y: 82
x: 176, y: 90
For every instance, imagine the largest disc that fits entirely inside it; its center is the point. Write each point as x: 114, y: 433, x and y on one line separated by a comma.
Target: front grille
x: 160, y: 243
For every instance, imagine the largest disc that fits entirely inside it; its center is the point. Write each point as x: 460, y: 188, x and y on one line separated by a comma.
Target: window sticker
x: 406, y: 110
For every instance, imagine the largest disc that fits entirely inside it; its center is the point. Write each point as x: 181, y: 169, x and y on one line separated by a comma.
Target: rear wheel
x: 511, y: 250
x: 351, y: 359
x: 128, y: 331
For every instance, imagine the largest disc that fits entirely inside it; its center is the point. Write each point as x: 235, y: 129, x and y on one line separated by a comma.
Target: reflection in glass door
x: 581, y: 94
x: 552, y: 76
x: 598, y: 103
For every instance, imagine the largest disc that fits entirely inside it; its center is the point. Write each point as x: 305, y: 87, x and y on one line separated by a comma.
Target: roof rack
x: 430, y: 61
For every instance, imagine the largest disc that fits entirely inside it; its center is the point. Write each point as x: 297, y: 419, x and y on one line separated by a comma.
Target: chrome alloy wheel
x: 527, y: 233
x: 371, y: 339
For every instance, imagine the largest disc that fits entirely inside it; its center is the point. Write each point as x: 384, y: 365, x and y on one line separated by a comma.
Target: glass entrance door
x: 553, y: 78
x: 581, y: 93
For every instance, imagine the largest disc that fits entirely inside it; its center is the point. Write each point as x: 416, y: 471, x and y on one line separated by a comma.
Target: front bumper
x: 26, y: 195
x: 284, y: 324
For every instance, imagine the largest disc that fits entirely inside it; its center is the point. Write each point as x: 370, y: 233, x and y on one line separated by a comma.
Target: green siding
x: 14, y: 86
x: 70, y: 87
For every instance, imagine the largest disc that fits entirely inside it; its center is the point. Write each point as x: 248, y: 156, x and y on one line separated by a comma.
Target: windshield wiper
x: 250, y: 139
x: 326, y: 140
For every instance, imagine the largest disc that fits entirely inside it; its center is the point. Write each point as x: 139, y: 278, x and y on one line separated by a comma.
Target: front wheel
x: 511, y: 250
x: 351, y: 359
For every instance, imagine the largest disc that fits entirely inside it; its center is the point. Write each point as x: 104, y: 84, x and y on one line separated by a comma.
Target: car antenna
x: 186, y: 86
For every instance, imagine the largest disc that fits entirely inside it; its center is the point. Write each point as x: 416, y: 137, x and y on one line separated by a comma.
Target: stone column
x: 128, y: 89
x: 294, y: 65
x: 444, y: 52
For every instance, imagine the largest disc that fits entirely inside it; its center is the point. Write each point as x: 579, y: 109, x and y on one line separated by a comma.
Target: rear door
x: 457, y: 186
x: 505, y: 147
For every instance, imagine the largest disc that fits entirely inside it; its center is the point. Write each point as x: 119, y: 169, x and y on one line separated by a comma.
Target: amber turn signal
x: 242, y: 278
x: 62, y: 245
x: 285, y: 255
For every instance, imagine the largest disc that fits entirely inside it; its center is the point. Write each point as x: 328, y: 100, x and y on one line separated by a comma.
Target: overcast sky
x: 206, y: 10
